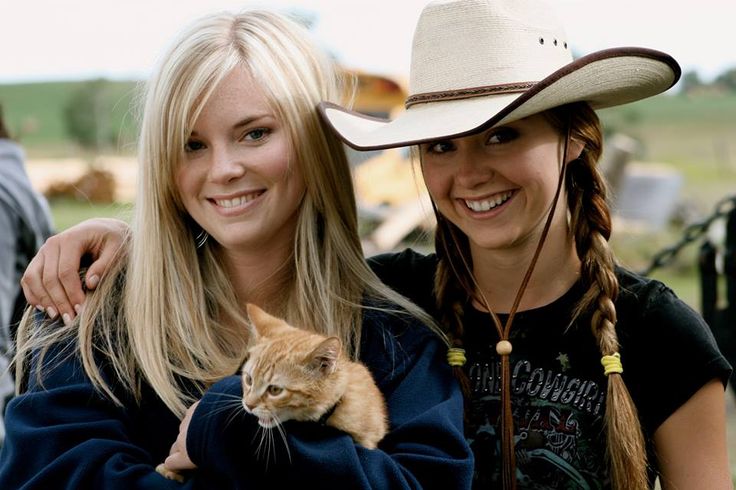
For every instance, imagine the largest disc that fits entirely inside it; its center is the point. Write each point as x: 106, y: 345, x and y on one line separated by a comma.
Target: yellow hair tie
x: 456, y: 357
x: 612, y: 364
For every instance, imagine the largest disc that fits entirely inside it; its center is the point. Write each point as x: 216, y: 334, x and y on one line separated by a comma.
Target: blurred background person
x: 25, y: 223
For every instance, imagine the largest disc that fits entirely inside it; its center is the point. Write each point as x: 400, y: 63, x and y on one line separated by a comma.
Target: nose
x: 248, y: 406
x: 473, y: 168
x: 226, y: 164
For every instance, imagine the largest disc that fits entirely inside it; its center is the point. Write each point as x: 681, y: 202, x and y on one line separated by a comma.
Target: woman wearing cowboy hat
x: 556, y: 344
x: 578, y: 373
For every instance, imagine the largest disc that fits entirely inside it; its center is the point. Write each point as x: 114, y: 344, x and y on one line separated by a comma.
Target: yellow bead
x: 503, y: 348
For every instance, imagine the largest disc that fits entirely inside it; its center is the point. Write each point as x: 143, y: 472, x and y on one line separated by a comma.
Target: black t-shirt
x: 558, y: 386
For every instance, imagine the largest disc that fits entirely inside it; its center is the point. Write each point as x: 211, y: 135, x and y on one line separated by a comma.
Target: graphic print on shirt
x: 558, y: 421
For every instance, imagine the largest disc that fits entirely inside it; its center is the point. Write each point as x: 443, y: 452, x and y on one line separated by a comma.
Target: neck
x: 259, y: 277
x: 499, y: 273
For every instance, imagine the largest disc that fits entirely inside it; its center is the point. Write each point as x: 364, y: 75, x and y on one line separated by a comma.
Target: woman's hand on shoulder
x: 52, y: 282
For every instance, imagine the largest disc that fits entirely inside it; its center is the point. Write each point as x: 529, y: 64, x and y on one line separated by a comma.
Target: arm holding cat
x: 425, y: 446
x: 66, y: 435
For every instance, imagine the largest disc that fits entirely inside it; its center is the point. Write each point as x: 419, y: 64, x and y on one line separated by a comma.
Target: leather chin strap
x: 503, y: 347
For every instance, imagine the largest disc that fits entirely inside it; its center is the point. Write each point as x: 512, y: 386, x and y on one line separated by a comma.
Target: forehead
x: 237, y: 96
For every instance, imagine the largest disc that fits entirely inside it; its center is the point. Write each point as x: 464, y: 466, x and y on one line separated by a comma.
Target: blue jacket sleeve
x: 66, y: 435
x: 425, y: 447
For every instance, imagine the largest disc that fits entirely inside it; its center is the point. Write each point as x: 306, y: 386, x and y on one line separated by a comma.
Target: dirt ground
x: 45, y: 172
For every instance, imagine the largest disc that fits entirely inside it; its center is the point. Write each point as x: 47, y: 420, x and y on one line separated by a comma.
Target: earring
x: 201, y: 238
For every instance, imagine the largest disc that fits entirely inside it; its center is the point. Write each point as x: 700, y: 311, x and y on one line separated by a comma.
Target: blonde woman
x: 242, y: 198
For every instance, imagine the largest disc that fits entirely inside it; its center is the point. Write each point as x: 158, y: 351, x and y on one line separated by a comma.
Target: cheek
x: 272, y: 161
x: 438, y: 181
x: 185, y: 179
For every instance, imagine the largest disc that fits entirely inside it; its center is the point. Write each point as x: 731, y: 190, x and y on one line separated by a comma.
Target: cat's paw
x: 171, y: 475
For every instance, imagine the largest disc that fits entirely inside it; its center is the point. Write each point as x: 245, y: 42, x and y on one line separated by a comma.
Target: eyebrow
x: 248, y: 120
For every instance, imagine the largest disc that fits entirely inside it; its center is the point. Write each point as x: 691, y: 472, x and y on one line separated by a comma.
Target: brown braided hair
x: 590, y: 223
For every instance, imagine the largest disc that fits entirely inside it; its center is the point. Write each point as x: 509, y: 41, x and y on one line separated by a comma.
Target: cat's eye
x: 247, y: 379
x: 274, y: 390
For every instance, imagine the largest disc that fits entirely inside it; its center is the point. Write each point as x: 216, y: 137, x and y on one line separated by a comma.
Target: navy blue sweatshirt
x: 65, y: 434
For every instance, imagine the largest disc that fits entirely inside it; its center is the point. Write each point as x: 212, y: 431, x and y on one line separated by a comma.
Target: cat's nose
x: 247, y: 406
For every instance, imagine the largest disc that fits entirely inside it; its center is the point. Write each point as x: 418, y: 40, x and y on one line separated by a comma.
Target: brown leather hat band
x: 466, y: 93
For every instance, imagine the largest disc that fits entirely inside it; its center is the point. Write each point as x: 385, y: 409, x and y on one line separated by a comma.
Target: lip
x: 235, y: 203
x: 487, y: 206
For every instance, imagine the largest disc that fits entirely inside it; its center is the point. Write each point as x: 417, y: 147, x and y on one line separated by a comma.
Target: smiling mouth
x: 237, y: 201
x: 482, y: 205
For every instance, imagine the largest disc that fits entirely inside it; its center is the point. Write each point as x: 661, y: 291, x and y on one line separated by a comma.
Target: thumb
x: 98, y: 268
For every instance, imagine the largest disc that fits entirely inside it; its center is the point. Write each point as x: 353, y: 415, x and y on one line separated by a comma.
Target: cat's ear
x: 323, y: 358
x: 260, y: 320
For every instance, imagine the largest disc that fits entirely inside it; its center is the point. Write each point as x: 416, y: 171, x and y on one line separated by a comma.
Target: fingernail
x: 92, y: 281
x: 66, y: 318
x: 40, y: 308
x: 78, y: 309
x: 51, y: 312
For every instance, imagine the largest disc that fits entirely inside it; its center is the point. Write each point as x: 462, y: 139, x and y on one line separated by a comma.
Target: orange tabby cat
x: 292, y: 374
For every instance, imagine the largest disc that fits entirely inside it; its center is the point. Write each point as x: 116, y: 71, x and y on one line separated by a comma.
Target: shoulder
x: 409, y: 273
x: 643, y: 291
x: 649, y: 304
x: 407, y: 258
x: 393, y: 341
x: 668, y: 350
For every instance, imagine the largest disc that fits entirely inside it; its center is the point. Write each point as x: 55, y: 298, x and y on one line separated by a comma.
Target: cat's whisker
x: 236, y: 413
x: 282, y: 433
x: 271, y: 447
x: 258, y: 433
x: 230, y: 405
x: 230, y: 395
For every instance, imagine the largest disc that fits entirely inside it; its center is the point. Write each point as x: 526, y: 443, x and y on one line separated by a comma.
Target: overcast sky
x: 77, y: 39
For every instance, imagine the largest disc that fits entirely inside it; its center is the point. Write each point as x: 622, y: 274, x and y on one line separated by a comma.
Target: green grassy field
x: 66, y: 212
x: 35, y: 112
x: 696, y: 136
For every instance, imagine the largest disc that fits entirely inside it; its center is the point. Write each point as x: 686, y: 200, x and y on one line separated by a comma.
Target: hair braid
x: 450, y: 294
x: 591, y: 225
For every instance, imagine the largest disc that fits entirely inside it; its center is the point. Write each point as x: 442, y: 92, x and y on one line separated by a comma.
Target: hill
x: 35, y: 112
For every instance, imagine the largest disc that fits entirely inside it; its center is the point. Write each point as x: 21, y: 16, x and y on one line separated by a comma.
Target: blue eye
x: 256, y: 134
x: 193, y: 145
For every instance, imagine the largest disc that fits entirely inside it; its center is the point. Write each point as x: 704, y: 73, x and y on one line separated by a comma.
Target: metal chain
x: 692, y: 233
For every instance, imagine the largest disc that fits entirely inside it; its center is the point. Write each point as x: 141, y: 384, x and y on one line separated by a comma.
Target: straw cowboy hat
x: 481, y: 63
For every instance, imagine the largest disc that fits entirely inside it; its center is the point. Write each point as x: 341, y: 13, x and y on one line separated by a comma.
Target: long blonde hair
x: 590, y: 224
x: 165, y: 313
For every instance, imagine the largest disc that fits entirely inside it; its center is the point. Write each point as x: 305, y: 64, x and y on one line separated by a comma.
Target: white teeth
x: 485, y: 205
x: 237, y: 201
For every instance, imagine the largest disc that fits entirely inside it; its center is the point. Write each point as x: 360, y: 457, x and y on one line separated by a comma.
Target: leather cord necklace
x: 504, y: 347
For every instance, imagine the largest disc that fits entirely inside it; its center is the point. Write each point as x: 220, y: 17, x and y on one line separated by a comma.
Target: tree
x: 690, y: 82
x: 87, y: 115
x: 727, y: 80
